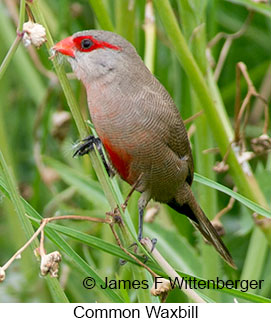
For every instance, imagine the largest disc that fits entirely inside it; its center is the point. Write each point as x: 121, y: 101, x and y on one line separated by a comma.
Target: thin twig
x: 193, y: 117
x: 213, y: 150
x: 265, y: 91
x: 222, y: 57
x: 41, y: 228
x: 34, y: 236
x: 239, y: 111
x: 42, y: 251
x: 228, y: 42
x: 227, y: 208
x: 224, y: 160
x: 12, y: 9
x: 130, y: 254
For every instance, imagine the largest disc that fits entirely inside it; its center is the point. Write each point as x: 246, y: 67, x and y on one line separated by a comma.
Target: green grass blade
x: 102, y: 15
x: 81, y: 264
x: 53, y: 284
x: 262, y: 8
x: 89, y: 188
x: 242, y: 199
x: 116, y: 251
x: 170, y: 243
x: 64, y: 246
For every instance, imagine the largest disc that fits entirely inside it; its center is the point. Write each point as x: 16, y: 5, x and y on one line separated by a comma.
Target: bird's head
x: 94, y: 54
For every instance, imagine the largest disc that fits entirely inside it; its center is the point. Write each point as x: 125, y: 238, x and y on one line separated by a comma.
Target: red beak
x: 65, y: 47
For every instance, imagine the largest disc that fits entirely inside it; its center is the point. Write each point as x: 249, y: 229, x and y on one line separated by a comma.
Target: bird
x: 138, y: 124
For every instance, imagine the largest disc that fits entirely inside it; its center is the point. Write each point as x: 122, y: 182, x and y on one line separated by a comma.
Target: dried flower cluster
x: 50, y: 264
x: 221, y: 167
x: 33, y: 33
x: 162, y: 288
x: 261, y: 144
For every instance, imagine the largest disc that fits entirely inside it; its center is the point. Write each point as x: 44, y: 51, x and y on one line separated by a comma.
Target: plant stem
x: 170, y: 271
x: 125, y: 20
x: 21, y: 16
x: 193, y: 22
x: 16, y: 42
x: 28, y: 75
x: 110, y: 188
x: 9, y: 55
x: 150, y: 36
x: 102, y: 14
x: 40, y: 230
x: 218, y: 120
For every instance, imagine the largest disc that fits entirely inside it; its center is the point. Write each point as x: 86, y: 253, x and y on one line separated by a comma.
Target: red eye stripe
x: 95, y: 44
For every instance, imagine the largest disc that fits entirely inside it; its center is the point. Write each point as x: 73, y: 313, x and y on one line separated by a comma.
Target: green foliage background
x: 36, y: 158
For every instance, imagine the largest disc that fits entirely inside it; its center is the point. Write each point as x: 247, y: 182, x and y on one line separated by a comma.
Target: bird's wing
x: 161, y: 114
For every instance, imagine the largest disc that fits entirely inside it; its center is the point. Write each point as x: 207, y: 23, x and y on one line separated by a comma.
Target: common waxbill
x: 138, y: 124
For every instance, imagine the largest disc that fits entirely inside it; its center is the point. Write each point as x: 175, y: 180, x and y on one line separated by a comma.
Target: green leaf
x: 115, y: 250
x: 8, y: 186
x: 82, y: 265
x: 251, y: 205
x: 102, y: 14
x: 170, y: 243
x: 65, y: 247
x: 89, y: 188
x: 262, y: 8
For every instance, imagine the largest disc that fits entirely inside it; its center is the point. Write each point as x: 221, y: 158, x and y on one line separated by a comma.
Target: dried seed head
x: 33, y: 34
x: 2, y: 274
x: 50, y: 264
x: 221, y: 167
x: 261, y: 144
x: 245, y: 156
x: 164, y: 286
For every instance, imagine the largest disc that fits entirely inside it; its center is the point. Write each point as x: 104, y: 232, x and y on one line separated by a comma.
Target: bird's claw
x: 154, y: 242
x: 134, y: 244
x: 122, y: 262
x: 86, y: 146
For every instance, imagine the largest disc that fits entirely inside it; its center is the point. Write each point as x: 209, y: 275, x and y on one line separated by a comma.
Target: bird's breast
x: 120, y: 159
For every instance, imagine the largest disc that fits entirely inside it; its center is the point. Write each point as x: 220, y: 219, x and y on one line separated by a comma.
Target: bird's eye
x: 86, y: 43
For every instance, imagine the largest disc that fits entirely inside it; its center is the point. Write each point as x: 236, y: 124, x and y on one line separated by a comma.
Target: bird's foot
x: 154, y: 242
x: 135, y: 245
x: 122, y: 262
x: 88, y: 145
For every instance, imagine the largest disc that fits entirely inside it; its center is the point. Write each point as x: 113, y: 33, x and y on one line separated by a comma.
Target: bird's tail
x: 186, y: 204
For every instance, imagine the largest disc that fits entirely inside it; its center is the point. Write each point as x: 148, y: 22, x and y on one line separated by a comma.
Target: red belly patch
x: 119, y: 158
